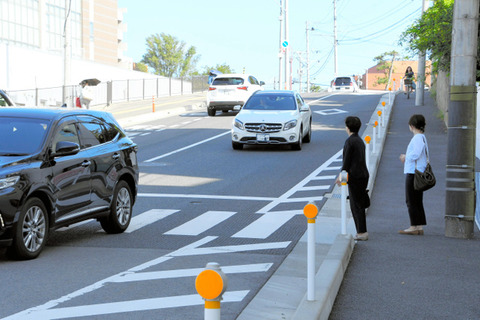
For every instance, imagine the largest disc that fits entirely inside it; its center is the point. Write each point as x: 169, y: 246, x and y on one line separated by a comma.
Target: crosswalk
x: 202, y: 240
x: 146, y: 129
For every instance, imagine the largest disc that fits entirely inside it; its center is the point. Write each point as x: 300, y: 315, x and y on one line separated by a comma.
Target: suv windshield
x: 20, y: 136
x: 267, y: 102
x: 344, y: 81
x: 227, y: 81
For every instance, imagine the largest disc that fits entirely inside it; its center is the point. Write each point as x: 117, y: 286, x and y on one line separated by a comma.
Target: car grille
x: 263, y: 127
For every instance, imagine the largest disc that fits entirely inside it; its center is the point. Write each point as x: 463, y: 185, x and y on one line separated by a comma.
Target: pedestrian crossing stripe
x: 201, y: 223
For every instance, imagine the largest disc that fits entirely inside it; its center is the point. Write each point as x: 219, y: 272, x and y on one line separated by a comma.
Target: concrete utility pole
x: 460, y: 187
x: 334, y: 38
x: 421, y: 69
x: 280, y: 51
x: 67, y: 52
x: 308, y: 60
x: 287, y: 49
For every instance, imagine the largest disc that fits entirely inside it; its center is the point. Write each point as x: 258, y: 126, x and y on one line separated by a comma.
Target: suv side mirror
x: 66, y: 148
x: 262, y: 83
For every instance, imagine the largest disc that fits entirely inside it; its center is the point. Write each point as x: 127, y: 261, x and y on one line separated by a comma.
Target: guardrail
x: 106, y: 93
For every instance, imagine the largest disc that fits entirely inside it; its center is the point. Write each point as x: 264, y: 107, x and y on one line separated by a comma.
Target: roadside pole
x: 460, y: 171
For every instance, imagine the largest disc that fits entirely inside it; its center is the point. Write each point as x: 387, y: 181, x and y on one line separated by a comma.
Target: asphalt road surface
x: 199, y: 201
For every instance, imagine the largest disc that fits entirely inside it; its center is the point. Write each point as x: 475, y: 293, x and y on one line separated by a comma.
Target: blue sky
x: 245, y: 34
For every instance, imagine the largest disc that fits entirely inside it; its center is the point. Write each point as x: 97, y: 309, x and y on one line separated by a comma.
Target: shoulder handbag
x: 424, y: 180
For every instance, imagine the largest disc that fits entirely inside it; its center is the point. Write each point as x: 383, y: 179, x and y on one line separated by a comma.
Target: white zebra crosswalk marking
x: 148, y: 217
x: 201, y: 223
x: 266, y: 225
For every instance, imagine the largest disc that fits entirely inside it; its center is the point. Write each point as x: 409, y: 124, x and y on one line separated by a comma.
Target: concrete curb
x: 330, y: 274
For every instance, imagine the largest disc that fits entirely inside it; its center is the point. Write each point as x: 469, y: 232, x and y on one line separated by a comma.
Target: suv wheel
x: 237, y: 146
x: 211, y: 112
x: 120, y: 210
x: 30, y: 234
x: 298, y: 145
x: 308, y: 136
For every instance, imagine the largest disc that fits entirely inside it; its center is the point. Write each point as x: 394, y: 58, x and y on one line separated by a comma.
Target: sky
x: 246, y: 34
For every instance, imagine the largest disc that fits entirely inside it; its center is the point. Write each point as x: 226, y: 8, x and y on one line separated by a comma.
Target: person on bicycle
x: 409, y: 78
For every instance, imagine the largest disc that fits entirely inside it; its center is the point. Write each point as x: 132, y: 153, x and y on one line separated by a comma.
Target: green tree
x: 315, y: 88
x: 432, y: 33
x: 385, y: 64
x: 168, y: 56
x: 223, y: 68
x: 138, y: 66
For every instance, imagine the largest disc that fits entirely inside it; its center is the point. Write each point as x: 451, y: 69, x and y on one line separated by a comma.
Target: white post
x: 343, y: 180
x: 367, y: 155
x: 374, y: 150
x: 311, y: 261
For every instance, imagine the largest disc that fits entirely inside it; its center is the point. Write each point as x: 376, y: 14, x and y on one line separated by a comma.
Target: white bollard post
x: 310, y: 211
x: 211, y: 283
x: 367, y: 152
x: 374, y: 149
x: 343, y: 180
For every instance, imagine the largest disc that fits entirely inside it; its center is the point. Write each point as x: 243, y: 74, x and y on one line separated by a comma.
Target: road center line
x: 187, y: 147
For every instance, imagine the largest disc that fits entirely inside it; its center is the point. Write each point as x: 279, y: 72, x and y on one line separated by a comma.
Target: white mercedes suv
x: 273, y: 117
x: 229, y: 91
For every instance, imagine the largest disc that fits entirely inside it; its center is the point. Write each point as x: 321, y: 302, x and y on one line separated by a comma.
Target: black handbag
x: 424, y: 180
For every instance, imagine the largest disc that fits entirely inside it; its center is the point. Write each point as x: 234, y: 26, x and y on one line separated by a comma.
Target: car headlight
x: 8, y: 182
x: 290, y: 124
x: 239, y: 124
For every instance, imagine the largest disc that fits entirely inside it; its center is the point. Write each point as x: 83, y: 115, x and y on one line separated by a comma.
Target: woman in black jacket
x: 356, y: 167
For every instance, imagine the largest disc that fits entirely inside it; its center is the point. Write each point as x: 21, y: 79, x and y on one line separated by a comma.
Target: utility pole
x: 421, y: 70
x: 287, y: 57
x: 460, y: 171
x: 280, y: 51
x: 300, y: 71
x: 335, y: 38
x: 67, y: 52
x: 308, y: 60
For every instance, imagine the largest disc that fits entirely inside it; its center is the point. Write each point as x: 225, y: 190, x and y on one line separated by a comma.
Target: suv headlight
x: 290, y: 124
x: 239, y: 124
x: 8, y: 182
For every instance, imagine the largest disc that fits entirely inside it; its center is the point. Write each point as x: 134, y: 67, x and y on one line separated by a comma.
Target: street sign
x: 285, y: 44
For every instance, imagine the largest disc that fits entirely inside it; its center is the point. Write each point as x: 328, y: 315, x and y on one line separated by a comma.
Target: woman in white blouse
x: 416, y: 157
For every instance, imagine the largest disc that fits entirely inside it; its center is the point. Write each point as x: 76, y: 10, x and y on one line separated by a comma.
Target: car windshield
x: 227, y: 81
x: 21, y: 136
x: 343, y: 81
x: 270, y: 102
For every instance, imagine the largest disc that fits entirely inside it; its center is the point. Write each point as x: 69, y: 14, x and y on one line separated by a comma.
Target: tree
x: 432, y: 33
x: 385, y: 64
x: 138, y: 66
x: 223, y: 68
x: 168, y: 56
x: 315, y: 88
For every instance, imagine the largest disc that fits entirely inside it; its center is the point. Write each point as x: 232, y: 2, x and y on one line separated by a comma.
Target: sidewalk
x: 393, y: 276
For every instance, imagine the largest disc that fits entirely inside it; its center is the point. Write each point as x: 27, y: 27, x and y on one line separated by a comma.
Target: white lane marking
x: 187, y: 147
x: 201, y: 223
x: 191, y: 249
x: 329, y: 112
x: 323, y: 98
x: 284, y: 198
x: 264, y: 226
x: 324, y: 177
x: 192, y: 272
x: 148, y: 217
x: 203, y: 196
x: 132, y: 306
x: 332, y: 168
x: 313, y: 188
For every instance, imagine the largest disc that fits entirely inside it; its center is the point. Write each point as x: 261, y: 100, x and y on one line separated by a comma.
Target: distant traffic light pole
x: 460, y: 171
x: 280, y: 51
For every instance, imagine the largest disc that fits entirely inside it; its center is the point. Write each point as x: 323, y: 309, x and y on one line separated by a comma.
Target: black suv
x: 59, y: 167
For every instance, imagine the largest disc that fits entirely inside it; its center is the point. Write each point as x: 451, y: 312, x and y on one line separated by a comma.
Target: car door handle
x: 86, y: 163
x: 116, y: 156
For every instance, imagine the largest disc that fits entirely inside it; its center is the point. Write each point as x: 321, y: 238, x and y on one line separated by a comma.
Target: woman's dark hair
x: 353, y: 124
x: 408, y: 68
x: 417, y: 121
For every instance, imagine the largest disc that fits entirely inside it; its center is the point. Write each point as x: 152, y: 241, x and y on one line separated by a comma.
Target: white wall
x: 25, y: 68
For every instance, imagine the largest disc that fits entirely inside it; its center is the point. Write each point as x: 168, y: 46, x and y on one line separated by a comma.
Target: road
x: 199, y: 201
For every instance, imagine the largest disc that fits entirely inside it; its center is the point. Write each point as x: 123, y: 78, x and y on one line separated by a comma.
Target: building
x: 94, y: 28
x: 371, y: 76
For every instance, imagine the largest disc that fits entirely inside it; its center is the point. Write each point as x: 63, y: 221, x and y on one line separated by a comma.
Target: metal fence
x: 106, y: 93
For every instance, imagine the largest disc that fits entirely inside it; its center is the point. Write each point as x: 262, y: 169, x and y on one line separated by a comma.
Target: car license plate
x: 263, y: 137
